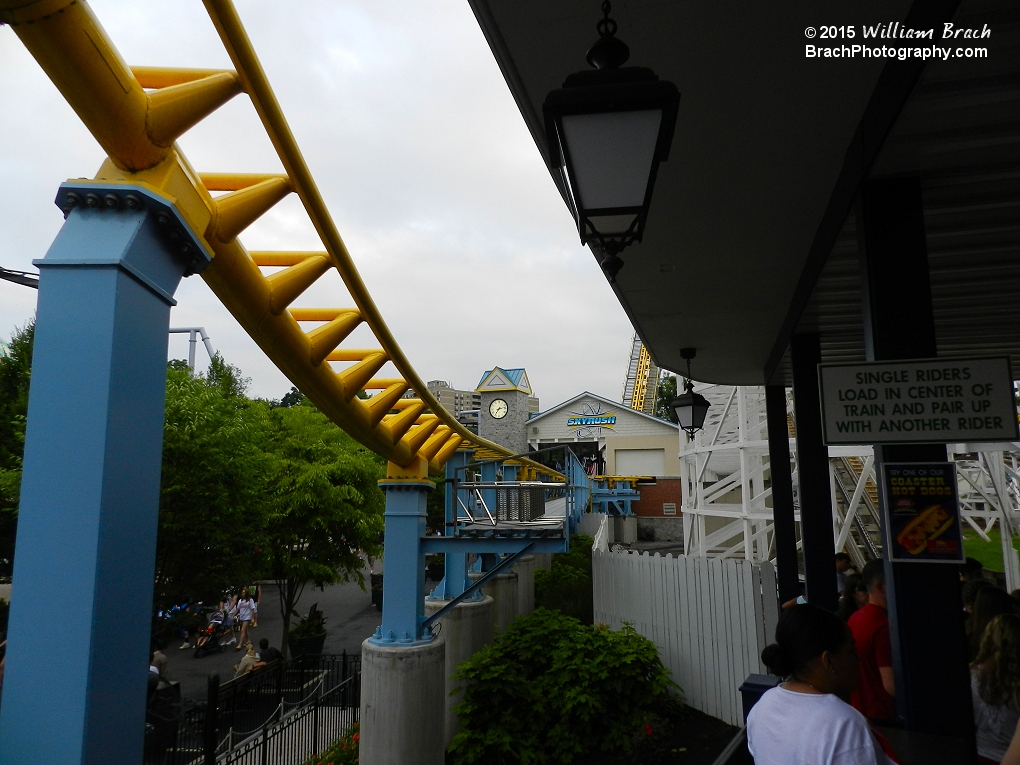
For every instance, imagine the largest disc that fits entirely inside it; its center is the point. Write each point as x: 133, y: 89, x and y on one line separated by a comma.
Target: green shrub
x: 567, y: 587
x: 554, y: 690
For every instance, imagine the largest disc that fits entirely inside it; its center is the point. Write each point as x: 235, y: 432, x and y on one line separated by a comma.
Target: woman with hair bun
x: 806, y: 720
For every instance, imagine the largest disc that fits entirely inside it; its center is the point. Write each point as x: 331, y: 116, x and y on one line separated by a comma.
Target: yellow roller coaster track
x: 136, y: 114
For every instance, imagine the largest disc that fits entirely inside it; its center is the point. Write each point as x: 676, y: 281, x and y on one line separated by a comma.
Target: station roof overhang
x: 751, y: 236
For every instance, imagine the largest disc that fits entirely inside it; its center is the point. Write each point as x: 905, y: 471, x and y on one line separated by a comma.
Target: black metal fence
x: 301, y: 733
x: 263, y: 705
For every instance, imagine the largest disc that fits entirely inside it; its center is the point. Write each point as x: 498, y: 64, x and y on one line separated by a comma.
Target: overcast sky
x: 423, y: 159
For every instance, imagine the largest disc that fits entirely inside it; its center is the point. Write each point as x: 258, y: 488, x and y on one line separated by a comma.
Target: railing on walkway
x: 183, y: 732
x: 709, y: 618
x: 301, y: 733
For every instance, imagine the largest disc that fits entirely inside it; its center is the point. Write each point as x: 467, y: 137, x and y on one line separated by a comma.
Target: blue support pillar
x: 78, y: 645
x: 404, y: 560
x: 455, y: 579
x: 489, y: 473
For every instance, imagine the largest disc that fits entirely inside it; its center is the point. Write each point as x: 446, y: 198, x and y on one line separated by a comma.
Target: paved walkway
x: 350, y: 618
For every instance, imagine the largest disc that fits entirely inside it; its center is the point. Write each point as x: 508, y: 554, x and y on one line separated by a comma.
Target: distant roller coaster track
x: 136, y: 114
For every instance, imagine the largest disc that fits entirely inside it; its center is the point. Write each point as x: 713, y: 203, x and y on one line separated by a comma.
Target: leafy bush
x: 554, y: 690
x: 343, y: 752
x: 567, y: 587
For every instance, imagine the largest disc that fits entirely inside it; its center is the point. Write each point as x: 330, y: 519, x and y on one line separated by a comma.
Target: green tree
x: 664, y: 398
x: 15, y: 373
x: 210, y: 520
x: 322, y: 504
x: 294, y: 397
x: 10, y: 488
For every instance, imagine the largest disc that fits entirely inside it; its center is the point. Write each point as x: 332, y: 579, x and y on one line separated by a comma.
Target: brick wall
x: 654, y: 495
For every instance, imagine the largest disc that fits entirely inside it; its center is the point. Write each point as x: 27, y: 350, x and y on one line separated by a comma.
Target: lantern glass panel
x: 611, y: 156
x: 685, y: 415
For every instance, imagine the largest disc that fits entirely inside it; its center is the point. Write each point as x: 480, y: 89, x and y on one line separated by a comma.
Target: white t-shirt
x: 244, y: 610
x: 790, y: 728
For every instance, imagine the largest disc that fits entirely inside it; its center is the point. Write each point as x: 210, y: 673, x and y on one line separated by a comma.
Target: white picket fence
x: 709, y: 617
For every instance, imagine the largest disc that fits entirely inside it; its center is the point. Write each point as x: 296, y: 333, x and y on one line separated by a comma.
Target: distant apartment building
x: 462, y: 404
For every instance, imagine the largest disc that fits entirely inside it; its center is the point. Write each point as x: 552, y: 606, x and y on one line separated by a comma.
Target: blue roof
x: 513, y: 375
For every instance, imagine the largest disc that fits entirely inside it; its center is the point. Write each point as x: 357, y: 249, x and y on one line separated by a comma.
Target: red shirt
x: 870, y: 628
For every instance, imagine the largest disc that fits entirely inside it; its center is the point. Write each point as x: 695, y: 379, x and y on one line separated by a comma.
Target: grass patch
x: 989, y: 553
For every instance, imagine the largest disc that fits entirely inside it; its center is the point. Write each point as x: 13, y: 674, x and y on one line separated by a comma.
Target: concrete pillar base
x: 467, y: 628
x: 525, y: 568
x: 626, y: 529
x: 402, y: 704
x: 502, y: 588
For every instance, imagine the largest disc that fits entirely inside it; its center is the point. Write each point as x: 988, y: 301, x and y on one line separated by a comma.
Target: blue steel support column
x: 78, y: 648
x: 489, y: 472
x: 455, y: 579
x: 403, y: 559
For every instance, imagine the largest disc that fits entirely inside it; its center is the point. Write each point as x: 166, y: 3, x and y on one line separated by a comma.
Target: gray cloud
x: 420, y: 152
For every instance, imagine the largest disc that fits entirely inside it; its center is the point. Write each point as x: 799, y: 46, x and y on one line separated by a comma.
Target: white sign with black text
x: 923, y: 401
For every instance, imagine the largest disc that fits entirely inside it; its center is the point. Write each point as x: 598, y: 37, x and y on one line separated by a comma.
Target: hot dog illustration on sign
x: 923, y: 513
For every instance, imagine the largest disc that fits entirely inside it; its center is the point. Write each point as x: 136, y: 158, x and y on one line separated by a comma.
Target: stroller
x: 213, y: 638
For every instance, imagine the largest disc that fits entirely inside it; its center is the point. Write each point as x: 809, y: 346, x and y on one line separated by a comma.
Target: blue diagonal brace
x: 427, y: 624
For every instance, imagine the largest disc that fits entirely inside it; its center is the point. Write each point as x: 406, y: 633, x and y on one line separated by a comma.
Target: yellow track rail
x: 136, y: 115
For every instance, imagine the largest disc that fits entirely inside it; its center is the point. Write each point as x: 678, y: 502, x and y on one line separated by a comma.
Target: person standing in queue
x: 843, y: 565
x: 805, y: 720
x: 875, y: 694
x: 995, y: 688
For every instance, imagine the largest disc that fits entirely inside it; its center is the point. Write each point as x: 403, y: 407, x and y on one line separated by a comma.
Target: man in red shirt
x: 874, y: 697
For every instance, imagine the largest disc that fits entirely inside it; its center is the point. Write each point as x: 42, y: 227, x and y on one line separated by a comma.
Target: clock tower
x: 504, y: 408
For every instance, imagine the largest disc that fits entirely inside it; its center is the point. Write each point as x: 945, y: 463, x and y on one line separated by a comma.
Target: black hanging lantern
x: 608, y: 130
x: 691, y: 408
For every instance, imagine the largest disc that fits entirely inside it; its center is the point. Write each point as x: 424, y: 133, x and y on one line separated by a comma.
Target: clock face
x: 498, y: 409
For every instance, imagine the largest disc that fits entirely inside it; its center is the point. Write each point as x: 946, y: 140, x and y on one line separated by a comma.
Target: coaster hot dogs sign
x: 923, y: 512
x: 924, y: 401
